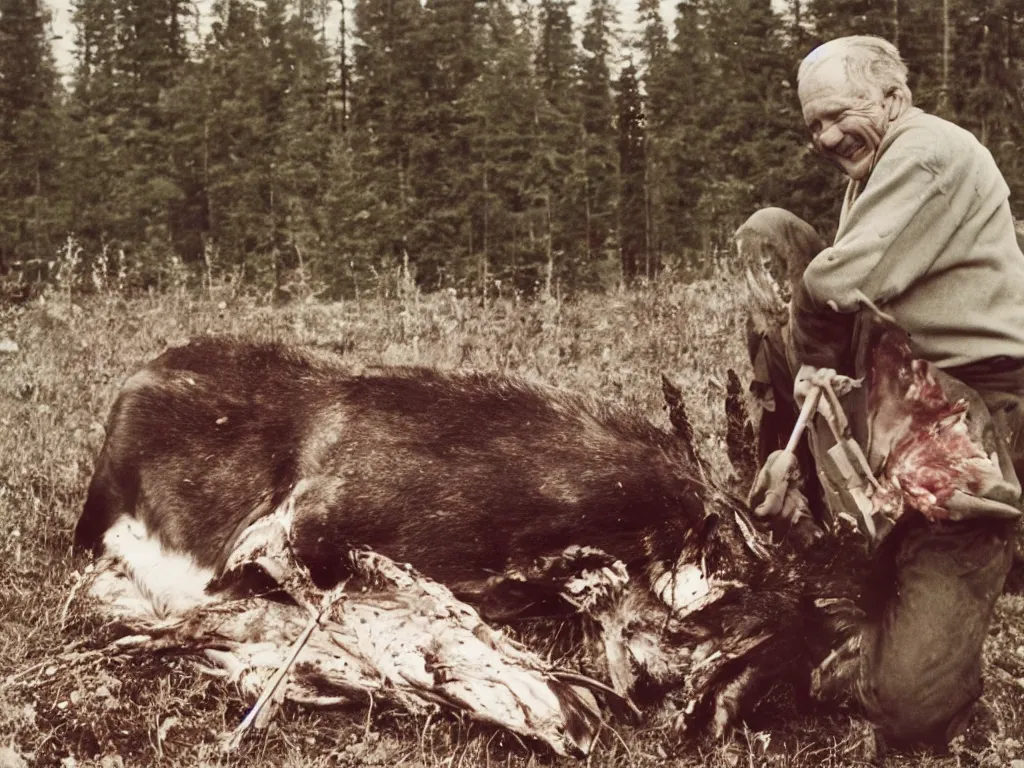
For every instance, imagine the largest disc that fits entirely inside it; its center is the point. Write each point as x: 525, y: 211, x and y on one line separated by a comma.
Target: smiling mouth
x: 848, y: 149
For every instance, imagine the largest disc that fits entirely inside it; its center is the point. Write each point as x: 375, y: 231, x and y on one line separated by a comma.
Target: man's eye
x: 815, y: 128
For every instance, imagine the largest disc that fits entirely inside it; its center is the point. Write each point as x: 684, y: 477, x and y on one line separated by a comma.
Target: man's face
x: 846, y: 122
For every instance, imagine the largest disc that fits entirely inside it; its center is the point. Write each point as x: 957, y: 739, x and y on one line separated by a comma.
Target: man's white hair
x: 870, y: 62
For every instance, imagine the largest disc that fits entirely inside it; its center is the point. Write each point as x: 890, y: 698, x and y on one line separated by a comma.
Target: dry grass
x: 158, y: 709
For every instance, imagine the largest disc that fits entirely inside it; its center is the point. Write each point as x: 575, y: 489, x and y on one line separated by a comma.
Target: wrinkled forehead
x: 827, y: 86
x: 826, y: 73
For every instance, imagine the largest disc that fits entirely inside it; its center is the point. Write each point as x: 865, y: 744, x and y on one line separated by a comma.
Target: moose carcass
x: 521, y: 500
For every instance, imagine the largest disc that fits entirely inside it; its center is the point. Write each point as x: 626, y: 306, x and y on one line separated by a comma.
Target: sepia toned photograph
x: 524, y: 383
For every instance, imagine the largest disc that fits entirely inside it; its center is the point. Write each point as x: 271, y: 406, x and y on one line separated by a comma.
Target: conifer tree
x: 653, y: 49
x: 238, y: 80
x: 560, y: 174
x: 480, y: 143
x: 127, y: 189
x: 632, y: 219
x: 302, y: 143
x: 502, y: 106
x: 451, y: 41
x: 837, y: 18
x: 752, y: 121
x: 681, y: 132
x: 986, y: 88
x: 32, y: 219
x: 598, y: 115
x: 266, y: 139
x: 386, y: 99
x: 92, y: 161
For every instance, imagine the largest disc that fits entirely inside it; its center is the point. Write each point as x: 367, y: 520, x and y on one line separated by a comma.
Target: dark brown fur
x: 463, y: 475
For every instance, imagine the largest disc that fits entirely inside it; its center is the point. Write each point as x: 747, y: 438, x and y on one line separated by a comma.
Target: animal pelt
x: 508, y: 500
x: 734, y: 616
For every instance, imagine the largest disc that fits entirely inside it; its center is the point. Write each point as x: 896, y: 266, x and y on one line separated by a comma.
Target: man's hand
x: 807, y: 379
x: 776, y: 490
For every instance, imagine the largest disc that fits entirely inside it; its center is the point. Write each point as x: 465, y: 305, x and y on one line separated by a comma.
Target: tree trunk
x: 550, y: 270
x: 37, y: 247
x: 343, y: 46
x: 896, y: 23
x: 587, y: 215
x: 983, y: 79
x: 649, y: 238
x: 206, y: 177
x: 176, y: 33
x: 944, y: 90
x: 798, y: 36
x: 515, y: 255
x: 484, y: 256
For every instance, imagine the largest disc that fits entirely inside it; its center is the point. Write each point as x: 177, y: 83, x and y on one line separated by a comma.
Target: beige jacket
x: 928, y: 238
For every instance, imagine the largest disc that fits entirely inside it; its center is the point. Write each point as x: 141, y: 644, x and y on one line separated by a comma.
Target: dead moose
x: 522, y: 500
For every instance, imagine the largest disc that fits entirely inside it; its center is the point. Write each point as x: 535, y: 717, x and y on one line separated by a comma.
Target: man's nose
x: 830, y: 137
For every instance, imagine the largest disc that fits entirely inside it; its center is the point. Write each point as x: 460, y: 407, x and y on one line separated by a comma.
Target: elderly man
x: 925, y: 236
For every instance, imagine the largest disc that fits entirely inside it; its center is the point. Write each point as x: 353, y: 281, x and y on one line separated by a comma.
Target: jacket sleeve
x: 821, y: 336
x: 893, y: 233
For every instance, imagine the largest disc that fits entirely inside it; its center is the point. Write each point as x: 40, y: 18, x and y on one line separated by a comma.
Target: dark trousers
x: 936, y: 586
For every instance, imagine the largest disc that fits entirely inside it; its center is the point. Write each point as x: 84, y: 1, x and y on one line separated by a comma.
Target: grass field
x: 136, y: 710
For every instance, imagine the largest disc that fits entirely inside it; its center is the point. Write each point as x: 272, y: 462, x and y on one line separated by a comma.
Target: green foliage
x: 834, y: 18
x: 598, y: 116
x: 386, y: 97
x: 445, y: 237
x: 33, y: 215
x: 559, y: 159
x: 989, y: 97
x: 126, y: 184
x: 483, y: 144
x: 652, y: 46
x: 503, y: 104
x: 638, y: 258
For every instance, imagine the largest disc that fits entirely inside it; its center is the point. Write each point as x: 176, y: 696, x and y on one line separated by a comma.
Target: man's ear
x: 895, y: 103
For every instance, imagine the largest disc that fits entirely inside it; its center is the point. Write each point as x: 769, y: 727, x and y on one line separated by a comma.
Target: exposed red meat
x: 925, y: 443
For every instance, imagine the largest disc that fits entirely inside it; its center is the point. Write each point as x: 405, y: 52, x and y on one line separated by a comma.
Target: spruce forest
x: 489, y: 146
